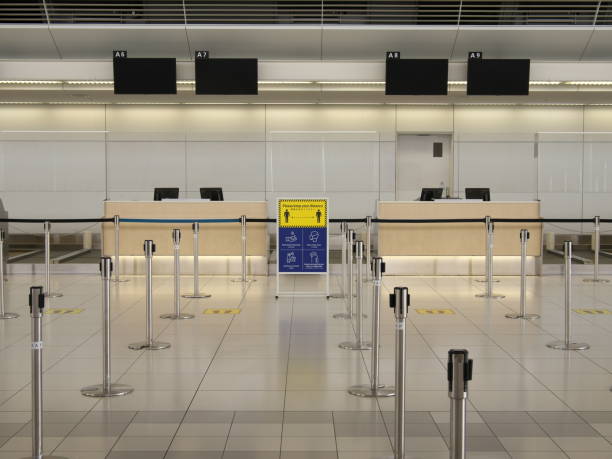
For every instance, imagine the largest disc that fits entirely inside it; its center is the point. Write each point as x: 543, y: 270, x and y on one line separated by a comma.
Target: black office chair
x: 429, y: 194
x: 214, y: 194
x: 478, y: 193
x: 165, y: 193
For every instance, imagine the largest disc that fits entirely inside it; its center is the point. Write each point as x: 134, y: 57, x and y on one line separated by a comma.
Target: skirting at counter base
x: 455, y: 265
x: 225, y: 265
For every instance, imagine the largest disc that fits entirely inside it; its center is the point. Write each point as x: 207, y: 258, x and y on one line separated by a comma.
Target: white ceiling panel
x: 355, y: 42
x: 600, y: 46
x: 554, y: 43
x: 31, y: 42
x: 98, y: 42
x: 263, y: 42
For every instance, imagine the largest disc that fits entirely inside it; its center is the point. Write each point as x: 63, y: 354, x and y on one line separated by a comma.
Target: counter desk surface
x: 216, y: 239
x: 454, y: 239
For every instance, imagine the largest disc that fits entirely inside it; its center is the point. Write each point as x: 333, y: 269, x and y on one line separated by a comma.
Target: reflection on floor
x: 270, y: 381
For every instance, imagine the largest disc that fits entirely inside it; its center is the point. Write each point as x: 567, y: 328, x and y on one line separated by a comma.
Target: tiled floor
x: 271, y: 382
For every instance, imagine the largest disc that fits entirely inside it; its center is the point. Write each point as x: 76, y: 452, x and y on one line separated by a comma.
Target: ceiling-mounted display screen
x: 226, y: 76
x: 498, y: 77
x: 145, y: 75
x: 416, y: 77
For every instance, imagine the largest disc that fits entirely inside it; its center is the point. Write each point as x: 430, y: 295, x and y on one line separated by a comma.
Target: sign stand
x: 302, y: 240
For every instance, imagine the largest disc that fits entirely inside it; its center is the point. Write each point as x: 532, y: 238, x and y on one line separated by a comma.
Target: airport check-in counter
x: 455, y: 248
x: 220, y: 243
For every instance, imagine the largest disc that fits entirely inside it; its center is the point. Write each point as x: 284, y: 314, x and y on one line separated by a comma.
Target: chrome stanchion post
x: 399, y: 300
x: 3, y: 313
x: 368, y: 244
x: 149, y: 343
x: 48, y: 293
x: 359, y: 344
x: 566, y: 344
x: 596, y: 250
x: 489, y: 262
x: 117, y: 269
x: 459, y: 372
x: 177, y: 315
x: 243, y: 251
x: 374, y: 389
x: 196, y: 264
x: 524, y: 236
x: 37, y: 304
x: 344, y: 282
x: 106, y: 389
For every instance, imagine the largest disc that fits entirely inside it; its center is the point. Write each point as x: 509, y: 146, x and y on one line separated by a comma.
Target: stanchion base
x: 337, y: 296
x: 119, y: 280
x: 342, y: 315
x: 54, y: 295
x: 596, y: 281
x: 45, y: 457
x: 484, y: 295
x: 115, y: 390
x: 199, y: 295
x: 363, y: 346
x: 8, y: 315
x: 174, y: 316
x: 152, y: 346
x: 563, y: 346
x: 484, y: 281
x: 244, y: 281
x: 368, y: 392
x: 516, y: 315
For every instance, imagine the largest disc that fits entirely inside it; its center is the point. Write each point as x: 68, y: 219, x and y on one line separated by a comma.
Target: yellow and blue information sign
x: 302, y: 236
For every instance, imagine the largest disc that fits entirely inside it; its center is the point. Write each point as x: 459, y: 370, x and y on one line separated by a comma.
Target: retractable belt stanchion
x: 106, y: 389
x: 524, y: 235
x: 489, y: 262
x: 177, y: 314
x: 3, y: 313
x: 399, y: 300
x: 117, y: 267
x: 149, y: 343
x: 374, y: 389
x: 37, y: 304
x: 596, y: 250
x: 359, y: 344
x: 243, y: 252
x: 459, y: 372
x: 48, y: 293
x: 345, y: 267
x: 368, y: 243
x: 350, y: 278
x: 566, y: 344
x: 196, y: 264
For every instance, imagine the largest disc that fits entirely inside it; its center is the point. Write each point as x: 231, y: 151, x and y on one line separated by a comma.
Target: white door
x: 423, y: 161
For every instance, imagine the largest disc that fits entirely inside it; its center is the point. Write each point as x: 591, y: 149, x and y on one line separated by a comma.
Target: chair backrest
x: 429, y: 194
x: 214, y: 194
x: 165, y: 193
x: 478, y: 193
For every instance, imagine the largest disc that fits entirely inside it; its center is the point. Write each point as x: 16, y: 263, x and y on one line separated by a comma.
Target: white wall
x: 72, y: 157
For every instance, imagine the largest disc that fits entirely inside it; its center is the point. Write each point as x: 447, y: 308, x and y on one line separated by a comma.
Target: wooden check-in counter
x: 218, y: 240
x: 440, y: 241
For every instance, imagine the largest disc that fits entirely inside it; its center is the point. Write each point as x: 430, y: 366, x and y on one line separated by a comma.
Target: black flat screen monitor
x: 429, y: 194
x: 226, y: 76
x: 214, y: 194
x: 498, y: 77
x: 165, y: 193
x: 478, y: 193
x: 144, y: 75
x: 416, y: 77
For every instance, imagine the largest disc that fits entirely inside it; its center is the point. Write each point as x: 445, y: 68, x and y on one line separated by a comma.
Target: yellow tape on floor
x: 63, y: 311
x: 435, y: 311
x: 592, y: 311
x: 221, y: 311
